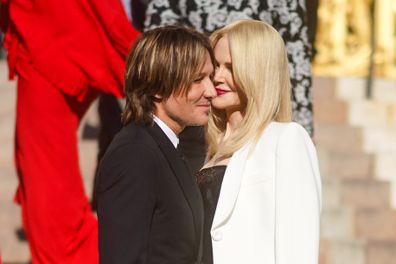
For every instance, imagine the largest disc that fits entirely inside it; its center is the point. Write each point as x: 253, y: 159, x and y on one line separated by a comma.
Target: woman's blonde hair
x: 261, y: 73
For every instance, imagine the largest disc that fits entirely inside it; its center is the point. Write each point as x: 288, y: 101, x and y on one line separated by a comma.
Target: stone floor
x: 12, y: 249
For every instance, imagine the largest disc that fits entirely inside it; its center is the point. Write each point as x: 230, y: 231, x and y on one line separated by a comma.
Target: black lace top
x: 209, y: 181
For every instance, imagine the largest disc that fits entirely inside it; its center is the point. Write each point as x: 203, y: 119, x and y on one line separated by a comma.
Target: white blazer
x: 269, y: 207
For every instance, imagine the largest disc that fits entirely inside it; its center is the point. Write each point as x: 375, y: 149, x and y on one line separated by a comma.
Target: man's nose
x: 210, y: 91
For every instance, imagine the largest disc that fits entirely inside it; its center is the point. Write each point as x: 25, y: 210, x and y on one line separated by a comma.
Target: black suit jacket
x: 149, y: 205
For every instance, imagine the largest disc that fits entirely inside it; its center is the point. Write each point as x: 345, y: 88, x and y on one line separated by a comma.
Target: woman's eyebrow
x: 227, y: 64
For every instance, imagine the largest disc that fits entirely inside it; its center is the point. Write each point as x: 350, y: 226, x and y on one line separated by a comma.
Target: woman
x: 261, y: 186
x: 286, y: 16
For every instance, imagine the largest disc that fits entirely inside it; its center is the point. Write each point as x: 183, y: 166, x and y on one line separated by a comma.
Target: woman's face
x: 227, y: 96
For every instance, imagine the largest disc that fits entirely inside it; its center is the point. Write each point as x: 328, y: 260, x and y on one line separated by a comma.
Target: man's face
x: 179, y: 111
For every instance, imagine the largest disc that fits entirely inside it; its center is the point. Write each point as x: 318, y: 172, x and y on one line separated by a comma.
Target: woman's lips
x: 220, y: 91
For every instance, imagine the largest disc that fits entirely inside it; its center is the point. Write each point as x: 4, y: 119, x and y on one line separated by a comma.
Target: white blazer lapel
x: 230, y: 186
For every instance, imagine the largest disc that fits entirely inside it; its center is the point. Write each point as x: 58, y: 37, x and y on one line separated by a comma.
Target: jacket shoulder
x: 131, y: 151
x: 278, y: 130
x: 287, y: 127
x: 292, y: 132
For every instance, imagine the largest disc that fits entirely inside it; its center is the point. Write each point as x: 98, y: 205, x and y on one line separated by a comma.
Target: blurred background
x: 354, y: 99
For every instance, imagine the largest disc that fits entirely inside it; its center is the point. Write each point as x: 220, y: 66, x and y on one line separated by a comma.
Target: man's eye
x: 198, y: 80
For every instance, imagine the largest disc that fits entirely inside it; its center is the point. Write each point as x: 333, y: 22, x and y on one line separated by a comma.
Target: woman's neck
x: 234, y: 119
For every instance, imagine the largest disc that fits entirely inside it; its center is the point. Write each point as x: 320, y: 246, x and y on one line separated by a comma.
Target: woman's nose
x: 219, y: 75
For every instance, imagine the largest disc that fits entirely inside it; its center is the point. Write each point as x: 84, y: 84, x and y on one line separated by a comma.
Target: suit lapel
x: 230, y: 187
x: 186, y: 180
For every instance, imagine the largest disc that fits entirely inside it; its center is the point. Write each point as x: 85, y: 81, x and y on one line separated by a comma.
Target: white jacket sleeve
x: 297, y: 198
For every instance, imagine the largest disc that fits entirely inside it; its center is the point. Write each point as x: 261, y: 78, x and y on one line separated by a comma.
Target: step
x: 385, y: 169
x: 351, y: 88
x: 326, y: 102
x: 343, y: 222
x: 355, y: 192
x: 371, y: 113
x: 330, y: 111
x: 13, y: 250
x: 385, y: 165
x: 322, y: 251
x: 8, y: 87
x: 376, y: 224
x: 8, y: 101
x: 358, y: 251
x: 384, y: 90
x: 342, y: 251
x: 337, y: 223
x: 354, y: 89
x: 344, y: 165
x: 324, y: 88
x: 365, y: 193
x: 340, y: 138
x: 88, y: 151
x: 381, y: 252
x: 331, y: 189
x: 6, y: 153
x: 377, y: 140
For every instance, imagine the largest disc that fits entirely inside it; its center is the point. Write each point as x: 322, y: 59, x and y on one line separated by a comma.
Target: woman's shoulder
x: 280, y: 129
x: 285, y: 132
x: 282, y: 126
x: 290, y: 136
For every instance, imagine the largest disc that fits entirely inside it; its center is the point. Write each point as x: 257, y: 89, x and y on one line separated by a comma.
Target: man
x: 149, y: 206
x: 63, y: 54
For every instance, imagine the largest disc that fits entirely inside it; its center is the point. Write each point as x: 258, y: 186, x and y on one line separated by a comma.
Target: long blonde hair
x: 261, y: 73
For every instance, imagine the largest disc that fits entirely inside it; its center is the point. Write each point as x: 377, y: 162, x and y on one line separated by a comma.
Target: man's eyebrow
x: 206, y: 72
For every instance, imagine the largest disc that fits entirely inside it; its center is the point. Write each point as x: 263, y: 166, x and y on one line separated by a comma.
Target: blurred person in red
x: 64, y: 53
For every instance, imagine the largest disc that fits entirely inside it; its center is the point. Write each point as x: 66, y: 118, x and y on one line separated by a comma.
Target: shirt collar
x: 168, y: 132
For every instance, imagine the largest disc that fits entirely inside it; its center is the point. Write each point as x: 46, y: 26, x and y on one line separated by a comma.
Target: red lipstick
x: 220, y: 91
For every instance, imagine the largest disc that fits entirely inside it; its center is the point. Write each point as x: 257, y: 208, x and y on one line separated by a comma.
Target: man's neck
x: 167, y: 130
x: 172, y: 124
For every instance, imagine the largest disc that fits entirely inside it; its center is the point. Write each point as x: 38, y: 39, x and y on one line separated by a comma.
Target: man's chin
x: 199, y: 123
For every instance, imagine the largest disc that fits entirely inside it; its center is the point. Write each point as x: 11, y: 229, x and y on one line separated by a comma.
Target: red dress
x: 63, y: 53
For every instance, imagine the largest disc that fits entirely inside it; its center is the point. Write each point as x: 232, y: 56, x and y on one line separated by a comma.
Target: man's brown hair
x: 162, y: 62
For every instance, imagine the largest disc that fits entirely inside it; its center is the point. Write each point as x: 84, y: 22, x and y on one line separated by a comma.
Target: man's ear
x: 158, y: 98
